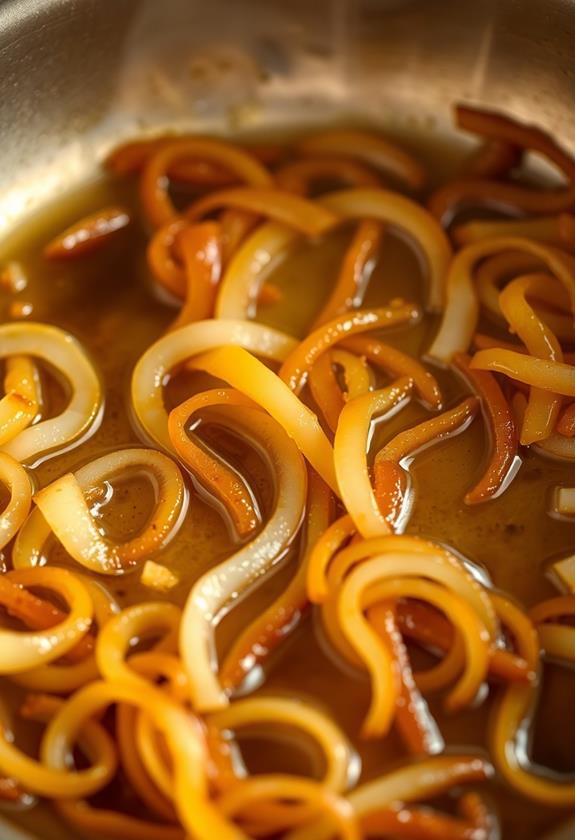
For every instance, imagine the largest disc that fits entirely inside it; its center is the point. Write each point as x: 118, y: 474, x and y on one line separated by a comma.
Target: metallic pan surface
x: 77, y: 75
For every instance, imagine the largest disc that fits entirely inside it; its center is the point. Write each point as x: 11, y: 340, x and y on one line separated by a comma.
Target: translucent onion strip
x: 257, y: 711
x: 258, y: 640
x: 84, y: 410
x: 22, y: 651
x: 249, y: 268
x: 461, y: 313
x: 556, y: 377
x: 358, y: 263
x: 410, y: 218
x: 219, y: 478
x: 371, y: 148
x: 154, y: 195
x: 302, y: 177
x: 501, y: 429
x: 22, y: 398
x: 65, y: 509
x: 246, y: 373
x: 304, y: 216
x: 390, y: 491
x: 159, y: 360
x: 542, y: 408
x: 14, y: 477
x: 350, y: 448
x: 296, y: 366
x: 212, y: 595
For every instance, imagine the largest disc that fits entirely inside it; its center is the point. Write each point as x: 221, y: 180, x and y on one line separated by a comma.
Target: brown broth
x: 108, y: 302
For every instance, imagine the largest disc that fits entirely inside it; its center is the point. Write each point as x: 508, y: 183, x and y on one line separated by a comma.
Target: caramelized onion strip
x: 389, y: 490
x: 219, y: 478
x: 83, y: 413
x: 370, y: 148
x: 410, y: 218
x: 296, y: 366
x: 351, y: 284
x: 22, y: 399
x: 88, y: 234
x: 268, y: 630
x: 350, y: 447
x: 154, y: 196
x: 461, y: 313
x: 397, y: 363
x: 64, y: 507
x: 302, y: 215
x: 502, y: 433
x: 497, y: 126
x: 246, y: 373
x: 212, y: 595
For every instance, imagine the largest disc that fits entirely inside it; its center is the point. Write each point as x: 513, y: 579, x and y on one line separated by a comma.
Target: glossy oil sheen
x: 108, y: 302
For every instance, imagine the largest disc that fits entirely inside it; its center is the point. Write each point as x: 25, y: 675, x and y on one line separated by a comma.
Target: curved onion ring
x: 199, y: 816
x: 16, y: 480
x: 162, y: 357
x: 211, y: 596
x: 296, y: 366
x: 301, y: 176
x: 316, y: 796
x: 65, y: 509
x: 336, y: 749
x: 246, y: 373
x: 83, y: 413
x: 249, y: 267
x: 220, y: 479
x: 371, y: 148
x: 303, y: 215
x: 435, y: 562
x: 409, y: 217
x: 63, y: 679
x: 508, y: 721
x: 350, y: 447
x: 132, y: 623
x: 154, y: 195
x: 29, y: 546
x: 369, y: 583
x: 22, y: 399
x: 421, y: 779
x: 542, y: 408
x: 460, y: 316
x: 24, y: 651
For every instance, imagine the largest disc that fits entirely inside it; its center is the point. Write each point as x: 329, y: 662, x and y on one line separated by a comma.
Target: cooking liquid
x: 108, y: 302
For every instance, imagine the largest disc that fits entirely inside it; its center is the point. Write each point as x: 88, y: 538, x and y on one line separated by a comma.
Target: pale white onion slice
x: 155, y: 365
x: 213, y: 594
x: 82, y: 415
x: 63, y: 509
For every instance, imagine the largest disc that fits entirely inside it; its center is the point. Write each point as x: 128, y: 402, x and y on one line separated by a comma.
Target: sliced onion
x: 22, y: 651
x: 410, y: 218
x: 65, y: 509
x: 212, y: 595
x: 155, y: 365
x: 16, y: 480
x: 249, y: 268
x: 84, y: 411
